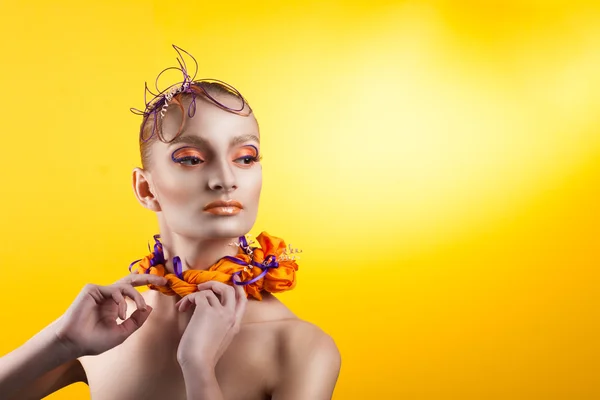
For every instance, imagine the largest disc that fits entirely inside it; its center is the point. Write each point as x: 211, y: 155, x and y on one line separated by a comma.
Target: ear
x: 143, y: 190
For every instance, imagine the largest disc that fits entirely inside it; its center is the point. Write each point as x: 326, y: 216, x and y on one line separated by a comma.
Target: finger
x: 181, y: 300
x: 240, y: 292
x: 197, y: 299
x: 241, y: 301
x: 114, y: 293
x: 239, y: 289
x: 183, y: 304
x: 121, y: 303
x: 92, y: 291
x: 191, y: 300
x: 133, y: 294
x: 212, y: 299
x: 117, y: 292
x: 135, y: 320
x: 143, y: 279
x: 226, y: 293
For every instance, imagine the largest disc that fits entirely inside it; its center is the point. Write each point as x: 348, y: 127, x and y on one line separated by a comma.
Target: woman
x: 211, y: 329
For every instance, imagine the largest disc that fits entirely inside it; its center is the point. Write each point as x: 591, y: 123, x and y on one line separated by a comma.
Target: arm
x: 201, y: 383
x: 211, y: 329
x: 48, y: 361
x: 311, y: 368
x: 41, y: 366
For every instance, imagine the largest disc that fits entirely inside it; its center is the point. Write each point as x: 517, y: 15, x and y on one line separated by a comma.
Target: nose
x: 222, y: 177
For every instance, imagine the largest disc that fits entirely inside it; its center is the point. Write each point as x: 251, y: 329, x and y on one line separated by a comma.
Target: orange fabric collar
x: 266, y: 268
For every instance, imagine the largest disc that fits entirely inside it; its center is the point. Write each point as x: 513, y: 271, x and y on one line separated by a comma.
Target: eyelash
x: 254, y: 159
x: 181, y: 160
x: 187, y: 158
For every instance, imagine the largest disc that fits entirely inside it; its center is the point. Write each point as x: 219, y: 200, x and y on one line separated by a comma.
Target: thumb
x: 135, y: 320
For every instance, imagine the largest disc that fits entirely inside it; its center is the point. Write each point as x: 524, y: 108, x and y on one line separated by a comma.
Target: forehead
x: 210, y: 122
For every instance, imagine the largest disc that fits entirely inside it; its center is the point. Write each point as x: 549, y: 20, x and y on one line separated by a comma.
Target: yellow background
x: 437, y: 162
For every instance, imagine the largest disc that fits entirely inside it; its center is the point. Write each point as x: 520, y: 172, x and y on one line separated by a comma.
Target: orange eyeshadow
x: 186, y: 152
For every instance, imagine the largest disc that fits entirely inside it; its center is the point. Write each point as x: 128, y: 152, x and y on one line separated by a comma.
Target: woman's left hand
x: 216, y: 320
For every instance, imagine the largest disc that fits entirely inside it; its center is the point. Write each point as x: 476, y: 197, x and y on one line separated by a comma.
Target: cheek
x: 252, y: 185
x: 256, y: 187
x: 173, y: 191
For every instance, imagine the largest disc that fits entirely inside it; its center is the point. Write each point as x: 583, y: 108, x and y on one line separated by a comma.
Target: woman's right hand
x: 89, y: 326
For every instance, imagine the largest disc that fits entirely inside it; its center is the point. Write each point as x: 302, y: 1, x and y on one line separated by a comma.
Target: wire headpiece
x: 158, y: 105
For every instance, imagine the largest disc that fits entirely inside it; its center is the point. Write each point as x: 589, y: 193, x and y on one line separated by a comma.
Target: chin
x: 224, y: 227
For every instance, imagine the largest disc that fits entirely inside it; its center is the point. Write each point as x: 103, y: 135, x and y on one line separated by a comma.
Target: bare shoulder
x: 309, y: 360
x: 298, y: 339
x: 304, y: 340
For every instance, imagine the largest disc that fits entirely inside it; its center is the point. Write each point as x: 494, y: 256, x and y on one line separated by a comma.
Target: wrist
x: 199, y: 367
x: 200, y: 380
x: 59, y: 340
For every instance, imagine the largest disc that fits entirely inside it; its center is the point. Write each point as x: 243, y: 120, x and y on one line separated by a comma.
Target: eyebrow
x: 201, y: 142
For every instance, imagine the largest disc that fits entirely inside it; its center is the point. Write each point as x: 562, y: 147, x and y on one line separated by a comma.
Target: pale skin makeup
x: 213, y: 344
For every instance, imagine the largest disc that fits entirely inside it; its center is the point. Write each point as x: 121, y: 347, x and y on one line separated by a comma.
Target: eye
x: 187, y: 156
x: 248, y: 156
x: 189, y: 160
x: 248, y: 160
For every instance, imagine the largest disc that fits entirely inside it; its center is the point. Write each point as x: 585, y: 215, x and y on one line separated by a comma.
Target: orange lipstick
x: 221, y: 207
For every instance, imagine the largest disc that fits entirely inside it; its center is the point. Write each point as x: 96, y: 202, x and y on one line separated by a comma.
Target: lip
x: 222, y: 207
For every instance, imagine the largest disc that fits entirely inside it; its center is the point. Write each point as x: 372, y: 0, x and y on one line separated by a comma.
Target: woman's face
x: 215, y: 158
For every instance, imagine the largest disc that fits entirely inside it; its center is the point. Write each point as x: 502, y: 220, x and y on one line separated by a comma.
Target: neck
x: 197, y: 254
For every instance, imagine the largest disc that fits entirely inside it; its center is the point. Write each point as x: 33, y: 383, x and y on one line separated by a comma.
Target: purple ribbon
x: 270, y: 262
x: 178, y: 268
x: 133, y: 263
x: 157, y: 258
